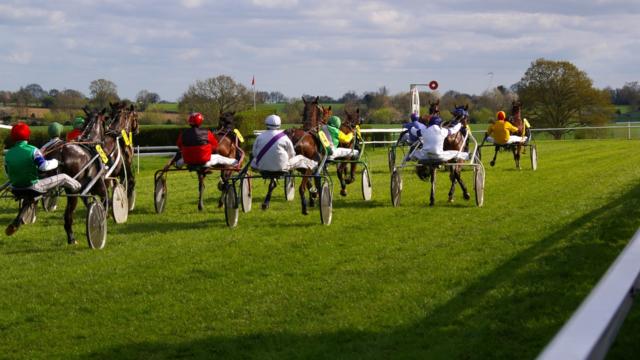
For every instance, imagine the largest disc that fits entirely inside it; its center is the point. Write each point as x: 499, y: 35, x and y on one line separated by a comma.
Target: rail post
x: 629, y: 130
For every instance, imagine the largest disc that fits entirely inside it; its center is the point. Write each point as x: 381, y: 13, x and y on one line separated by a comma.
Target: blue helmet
x: 435, y: 120
x: 415, y: 117
x: 458, y: 112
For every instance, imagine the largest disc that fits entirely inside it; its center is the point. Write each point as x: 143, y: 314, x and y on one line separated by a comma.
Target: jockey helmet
x: 335, y: 121
x: 459, y: 112
x: 272, y: 121
x: 20, y: 132
x: 78, y: 123
x: 435, y: 120
x: 195, y: 119
x: 415, y: 117
x: 501, y: 115
x: 54, y: 129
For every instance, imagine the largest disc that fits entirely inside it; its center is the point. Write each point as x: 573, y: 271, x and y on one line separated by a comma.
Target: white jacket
x: 277, y: 156
x: 433, y: 138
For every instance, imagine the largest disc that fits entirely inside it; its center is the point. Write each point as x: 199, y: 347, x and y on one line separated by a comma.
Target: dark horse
x: 516, y: 120
x: 123, y: 118
x: 76, y: 161
x: 455, y: 142
x: 305, y: 143
x: 349, y: 125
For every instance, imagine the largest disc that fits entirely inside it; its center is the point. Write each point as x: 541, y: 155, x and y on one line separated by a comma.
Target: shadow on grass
x: 510, y: 312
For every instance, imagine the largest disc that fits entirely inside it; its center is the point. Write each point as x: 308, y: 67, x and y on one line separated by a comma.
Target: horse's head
x: 352, y: 119
x: 311, y: 114
x: 94, y: 128
x: 123, y: 117
x: 515, y: 117
x: 326, y: 114
x: 434, y: 107
x: 460, y: 114
x: 226, y: 121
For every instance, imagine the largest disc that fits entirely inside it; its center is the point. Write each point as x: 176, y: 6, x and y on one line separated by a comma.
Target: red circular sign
x: 433, y: 85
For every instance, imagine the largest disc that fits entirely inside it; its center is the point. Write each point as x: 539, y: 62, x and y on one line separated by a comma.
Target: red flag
x: 253, y: 81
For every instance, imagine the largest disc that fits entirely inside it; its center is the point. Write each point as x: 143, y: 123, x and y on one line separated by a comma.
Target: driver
x: 274, y: 151
x: 500, y: 132
x: 78, y: 126
x: 22, y: 165
x: 338, y: 137
x: 198, y: 146
x: 433, y: 142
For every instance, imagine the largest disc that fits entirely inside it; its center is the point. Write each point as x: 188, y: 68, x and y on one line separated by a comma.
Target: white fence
x: 593, y: 327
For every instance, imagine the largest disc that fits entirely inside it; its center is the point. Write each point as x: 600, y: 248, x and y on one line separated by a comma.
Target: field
x: 452, y: 281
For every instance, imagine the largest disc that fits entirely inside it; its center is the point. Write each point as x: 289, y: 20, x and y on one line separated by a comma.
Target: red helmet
x: 501, y: 115
x: 20, y: 131
x: 196, y: 119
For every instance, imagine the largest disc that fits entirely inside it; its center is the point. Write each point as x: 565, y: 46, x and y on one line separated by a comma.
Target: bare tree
x: 103, y: 92
x: 213, y: 96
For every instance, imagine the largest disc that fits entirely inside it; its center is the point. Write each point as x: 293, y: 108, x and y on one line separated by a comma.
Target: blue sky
x: 313, y: 47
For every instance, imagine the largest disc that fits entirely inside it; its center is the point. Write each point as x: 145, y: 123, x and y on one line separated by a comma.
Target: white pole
x: 629, y: 130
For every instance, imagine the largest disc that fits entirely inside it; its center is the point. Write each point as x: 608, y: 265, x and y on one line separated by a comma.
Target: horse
x: 76, y: 160
x: 454, y: 142
x: 123, y: 118
x: 349, y: 126
x: 305, y: 143
x: 516, y: 120
x: 228, y: 145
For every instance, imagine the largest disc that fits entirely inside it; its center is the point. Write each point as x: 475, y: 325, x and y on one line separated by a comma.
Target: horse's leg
x: 301, y: 191
x: 516, y: 156
x: 341, y: 169
x: 352, y: 176
x: 432, y: 174
x: 452, y: 177
x: 224, y: 179
x: 495, y: 155
x: 465, y: 192
x: 200, y: 191
x: 72, y: 202
x: 130, y: 179
x: 313, y: 190
x: 267, y: 199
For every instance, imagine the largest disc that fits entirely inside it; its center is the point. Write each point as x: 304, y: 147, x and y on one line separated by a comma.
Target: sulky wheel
x: 231, y: 206
x: 29, y: 214
x: 366, y: 185
x: 534, y: 157
x: 396, y: 188
x: 131, y: 199
x: 120, y: 204
x: 326, y: 203
x: 289, y: 188
x: 478, y: 184
x: 96, y: 225
x: 50, y: 202
x: 160, y: 194
x: 245, y: 193
x: 392, y: 158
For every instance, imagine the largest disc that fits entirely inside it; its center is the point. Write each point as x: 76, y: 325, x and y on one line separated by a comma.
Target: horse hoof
x: 72, y: 242
x: 304, y: 212
x: 450, y: 200
x: 431, y: 204
x: 343, y: 192
x: 200, y: 208
x: 493, y: 163
x: 467, y: 197
x: 11, y: 229
x: 265, y: 206
x: 348, y: 181
x: 220, y: 185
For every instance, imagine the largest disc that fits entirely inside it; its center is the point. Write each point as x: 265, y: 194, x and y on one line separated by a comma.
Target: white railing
x: 594, y: 326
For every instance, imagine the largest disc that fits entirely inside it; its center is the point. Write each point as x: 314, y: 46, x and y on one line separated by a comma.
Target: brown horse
x: 76, y: 161
x: 123, y: 117
x: 454, y: 142
x: 348, y: 126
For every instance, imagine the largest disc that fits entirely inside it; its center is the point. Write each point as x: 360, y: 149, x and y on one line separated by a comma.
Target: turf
x: 452, y: 281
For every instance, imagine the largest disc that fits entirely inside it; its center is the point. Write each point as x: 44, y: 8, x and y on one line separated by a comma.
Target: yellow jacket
x: 500, y: 131
x: 345, y: 139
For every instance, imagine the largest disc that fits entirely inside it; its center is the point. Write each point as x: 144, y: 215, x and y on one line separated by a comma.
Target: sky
x: 300, y: 47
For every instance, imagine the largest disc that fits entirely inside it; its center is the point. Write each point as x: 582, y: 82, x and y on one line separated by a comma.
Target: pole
x: 629, y: 130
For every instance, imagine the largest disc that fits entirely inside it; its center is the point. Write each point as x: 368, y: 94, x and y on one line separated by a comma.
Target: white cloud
x: 275, y: 3
x: 189, y: 54
x: 20, y: 57
x: 192, y: 4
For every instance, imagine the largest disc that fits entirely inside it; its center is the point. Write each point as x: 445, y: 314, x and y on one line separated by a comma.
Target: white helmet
x: 272, y: 121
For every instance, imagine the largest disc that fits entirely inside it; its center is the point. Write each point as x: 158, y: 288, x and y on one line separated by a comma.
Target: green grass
x: 452, y: 281
x: 164, y: 107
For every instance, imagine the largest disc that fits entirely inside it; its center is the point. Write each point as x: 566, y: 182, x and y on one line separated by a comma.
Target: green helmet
x: 334, y: 121
x: 78, y: 122
x: 54, y: 129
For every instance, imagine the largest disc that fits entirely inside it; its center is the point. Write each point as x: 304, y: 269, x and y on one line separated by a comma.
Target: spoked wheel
x: 96, y: 225
x: 231, y: 206
x: 366, y: 185
x: 245, y: 193
x: 534, y: 157
x: 160, y: 194
x: 326, y: 203
x: 120, y: 204
x: 289, y: 188
x: 50, y: 202
x: 478, y: 184
x: 396, y: 188
x: 392, y: 158
x: 29, y: 214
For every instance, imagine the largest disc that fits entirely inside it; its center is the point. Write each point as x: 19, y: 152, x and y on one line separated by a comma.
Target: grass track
x: 453, y: 281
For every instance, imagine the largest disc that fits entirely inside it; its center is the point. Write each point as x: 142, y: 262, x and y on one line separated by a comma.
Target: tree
x: 277, y: 97
x: 349, y: 97
x: 262, y: 97
x: 22, y: 98
x: 213, y: 96
x: 144, y: 98
x: 5, y: 97
x: 36, y: 91
x: 103, y: 92
x: 557, y: 94
x: 69, y: 101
